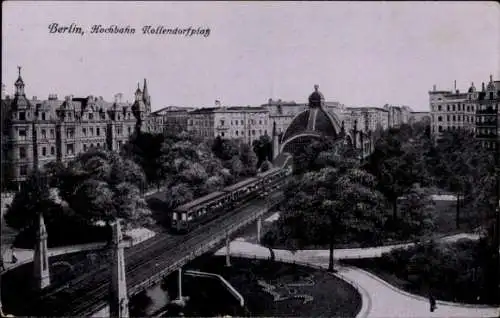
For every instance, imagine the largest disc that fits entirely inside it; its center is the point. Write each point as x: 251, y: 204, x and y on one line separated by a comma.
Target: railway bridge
x: 149, y: 262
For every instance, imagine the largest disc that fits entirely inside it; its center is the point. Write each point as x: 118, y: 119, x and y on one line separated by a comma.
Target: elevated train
x: 186, y: 216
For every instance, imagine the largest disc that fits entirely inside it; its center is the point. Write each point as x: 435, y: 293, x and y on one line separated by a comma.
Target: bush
x: 453, y: 271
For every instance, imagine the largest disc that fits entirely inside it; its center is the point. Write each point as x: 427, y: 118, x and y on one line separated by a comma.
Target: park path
x: 380, y: 299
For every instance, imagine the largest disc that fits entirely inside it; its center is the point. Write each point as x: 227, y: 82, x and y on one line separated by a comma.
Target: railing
x: 199, y: 248
x: 230, y: 287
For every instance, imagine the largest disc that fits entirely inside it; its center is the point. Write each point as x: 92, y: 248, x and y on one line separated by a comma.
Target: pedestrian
x: 432, y: 302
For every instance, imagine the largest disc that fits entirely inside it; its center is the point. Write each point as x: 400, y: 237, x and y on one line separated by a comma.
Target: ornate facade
x: 36, y: 132
x: 476, y: 111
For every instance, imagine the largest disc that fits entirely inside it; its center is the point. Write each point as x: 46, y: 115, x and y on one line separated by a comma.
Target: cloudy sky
x: 361, y: 54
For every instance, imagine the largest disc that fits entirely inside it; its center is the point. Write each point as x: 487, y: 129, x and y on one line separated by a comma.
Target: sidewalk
x: 26, y: 255
x: 379, y: 298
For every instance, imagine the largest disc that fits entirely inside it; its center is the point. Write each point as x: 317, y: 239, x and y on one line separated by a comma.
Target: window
x: 453, y: 107
x: 22, y: 115
x: 98, y: 131
x: 472, y: 108
x: 52, y: 150
x: 454, y: 118
x: 22, y: 134
x: 439, y: 107
x: 70, y: 115
x: 91, y: 116
x: 260, y: 132
x: 253, y: 132
x: 84, y: 147
x: 265, y: 132
x: 222, y: 122
x: 129, y: 130
x: 222, y: 134
x: 447, y: 107
x: 44, y: 151
x: 447, y: 117
x: 23, y: 170
x: 22, y: 152
x: 52, y: 134
x: 70, y: 149
x: 70, y: 132
x: 260, y: 122
x: 440, y: 118
x: 241, y: 122
x: 84, y: 131
x: 98, y: 145
x: 440, y: 128
x: 236, y: 133
x: 91, y: 129
x: 236, y: 122
x: 43, y: 115
x: 44, y: 134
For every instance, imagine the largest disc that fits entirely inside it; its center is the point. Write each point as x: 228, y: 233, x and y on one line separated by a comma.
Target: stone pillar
x: 276, y: 143
x: 41, y: 256
x: 179, y: 283
x: 259, y: 229
x: 228, y: 251
x: 119, y: 299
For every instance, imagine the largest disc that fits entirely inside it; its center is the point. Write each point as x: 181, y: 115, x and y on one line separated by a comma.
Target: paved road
x: 379, y: 298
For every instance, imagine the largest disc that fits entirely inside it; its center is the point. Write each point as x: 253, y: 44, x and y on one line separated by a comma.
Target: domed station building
x: 315, y: 123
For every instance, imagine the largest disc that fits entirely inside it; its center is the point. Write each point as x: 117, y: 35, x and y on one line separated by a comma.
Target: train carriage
x: 219, y: 202
x: 186, y: 214
x: 242, y: 191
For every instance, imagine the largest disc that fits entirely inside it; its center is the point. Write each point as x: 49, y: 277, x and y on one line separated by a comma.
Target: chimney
x: 455, y: 85
x: 482, y: 87
x: 434, y: 87
x: 35, y: 98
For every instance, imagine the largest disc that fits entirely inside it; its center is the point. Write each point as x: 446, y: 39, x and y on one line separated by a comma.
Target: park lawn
x: 332, y: 296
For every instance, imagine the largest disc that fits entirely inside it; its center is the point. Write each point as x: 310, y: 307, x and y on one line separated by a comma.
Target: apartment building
x: 171, y: 119
x: 36, y: 132
x: 367, y: 118
x: 237, y: 122
x: 451, y: 110
x: 488, y: 113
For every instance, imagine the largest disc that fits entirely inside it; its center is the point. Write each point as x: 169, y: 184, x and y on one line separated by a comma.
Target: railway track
x: 142, y: 259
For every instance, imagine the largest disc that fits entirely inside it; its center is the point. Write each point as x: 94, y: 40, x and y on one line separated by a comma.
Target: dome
x: 314, y: 120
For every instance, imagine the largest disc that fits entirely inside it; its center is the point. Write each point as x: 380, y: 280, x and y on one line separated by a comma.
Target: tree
x: 34, y: 198
x: 461, y: 156
x: 224, y: 149
x: 265, y: 166
x: 249, y: 160
x: 324, y: 205
x: 263, y: 148
x: 418, y: 212
x: 94, y: 185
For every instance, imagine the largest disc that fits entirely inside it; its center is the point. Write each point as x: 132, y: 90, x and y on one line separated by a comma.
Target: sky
x: 359, y: 53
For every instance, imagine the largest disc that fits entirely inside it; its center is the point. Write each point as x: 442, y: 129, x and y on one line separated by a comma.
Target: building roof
x: 230, y: 109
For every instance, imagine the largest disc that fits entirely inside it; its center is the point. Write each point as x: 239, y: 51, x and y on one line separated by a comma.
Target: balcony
x: 486, y: 124
x: 222, y: 127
